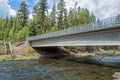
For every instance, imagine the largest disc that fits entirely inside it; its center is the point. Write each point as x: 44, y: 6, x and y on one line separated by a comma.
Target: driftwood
x: 20, y: 43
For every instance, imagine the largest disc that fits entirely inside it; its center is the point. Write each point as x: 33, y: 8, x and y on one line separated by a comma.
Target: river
x: 51, y: 69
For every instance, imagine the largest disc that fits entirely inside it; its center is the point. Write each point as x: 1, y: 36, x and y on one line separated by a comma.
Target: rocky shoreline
x: 111, y: 61
x: 108, y: 60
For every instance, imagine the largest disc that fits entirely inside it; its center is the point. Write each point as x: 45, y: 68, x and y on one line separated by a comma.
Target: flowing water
x: 51, y: 69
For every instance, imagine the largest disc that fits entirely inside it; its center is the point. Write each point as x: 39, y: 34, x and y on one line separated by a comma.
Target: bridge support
x: 51, y: 52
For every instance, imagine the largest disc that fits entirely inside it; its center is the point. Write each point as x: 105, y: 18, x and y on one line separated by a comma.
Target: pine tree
x: 53, y: 15
x: 48, y: 24
x: 87, y: 15
x: 61, y: 9
x: 32, y: 30
x: 65, y: 19
x: 70, y: 18
x: 43, y: 9
x: 37, y: 22
x: 39, y: 16
x: 35, y: 9
x: 6, y: 28
x: 73, y: 17
x: 13, y: 30
x: 22, y: 14
x: 1, y: 30
x: 117, y: 20
x: 93, y: 18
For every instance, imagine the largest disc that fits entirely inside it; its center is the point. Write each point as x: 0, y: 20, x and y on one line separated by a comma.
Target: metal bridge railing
x: 107, y: 23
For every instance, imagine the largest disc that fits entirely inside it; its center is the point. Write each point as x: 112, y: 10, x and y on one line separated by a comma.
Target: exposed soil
x: 2, y: 52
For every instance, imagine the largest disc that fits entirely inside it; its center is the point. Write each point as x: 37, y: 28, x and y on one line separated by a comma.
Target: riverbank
x: 107, y: 58
x: 104, y: 58
x: 18, y: 57
x: 19, y: 53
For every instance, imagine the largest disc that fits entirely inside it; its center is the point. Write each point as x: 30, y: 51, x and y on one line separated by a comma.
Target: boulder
x: 111, y: 61
x: 116, y: 76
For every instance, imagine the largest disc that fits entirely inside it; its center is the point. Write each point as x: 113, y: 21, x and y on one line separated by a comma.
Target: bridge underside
x: 93, y: 38
x: 51, y: 52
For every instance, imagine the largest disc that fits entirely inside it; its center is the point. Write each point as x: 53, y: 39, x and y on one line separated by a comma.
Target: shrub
x: 31, y: 51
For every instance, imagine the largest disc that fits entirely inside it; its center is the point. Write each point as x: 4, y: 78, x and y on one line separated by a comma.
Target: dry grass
x: 19, y: 53
x: 17, y: 57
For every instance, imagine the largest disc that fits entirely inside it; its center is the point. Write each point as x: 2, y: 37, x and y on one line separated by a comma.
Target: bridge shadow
x: 52, y: 52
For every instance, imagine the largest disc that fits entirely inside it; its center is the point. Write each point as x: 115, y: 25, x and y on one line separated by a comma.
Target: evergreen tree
x: 1, y: 29
x: 6, y: 28
x: 84, y: 17
x: 87, y: 15
x: 39, y: 17
x: 117, y: 20
x: 35, y: 9
x: 13, y: 30
x: 22, y: 14
x: 93, y: 18
x: 37, y: 22
x: 43, y: 9
x: 48, y: 24
x: 53, y: 15
x: 32, y: 30
x: 61, y: 9
x: 65, y: 19
x: 70, y: 18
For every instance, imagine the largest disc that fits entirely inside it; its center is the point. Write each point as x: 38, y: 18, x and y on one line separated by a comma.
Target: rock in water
x: 116, y: 76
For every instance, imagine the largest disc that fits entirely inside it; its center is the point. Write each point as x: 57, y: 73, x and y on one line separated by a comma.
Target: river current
x: 53, y: 69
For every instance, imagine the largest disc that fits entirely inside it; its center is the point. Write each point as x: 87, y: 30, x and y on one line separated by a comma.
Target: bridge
x: 105, y: 32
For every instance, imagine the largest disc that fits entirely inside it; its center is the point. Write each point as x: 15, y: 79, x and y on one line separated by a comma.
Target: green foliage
x: 1, y: 47
x: 32, y: 29
x: 54, y: 28
x: 31, y: 51
x: 22, y: 34
x: 118, y: 48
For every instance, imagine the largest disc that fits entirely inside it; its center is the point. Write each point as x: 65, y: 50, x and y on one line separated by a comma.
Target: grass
x: 1, y: 47
x: 18, y: 57
x: 4, y: 57
x: 20, y: 53
x: 88, y: 54
x: 84, y: 54
x: 108, y: 53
